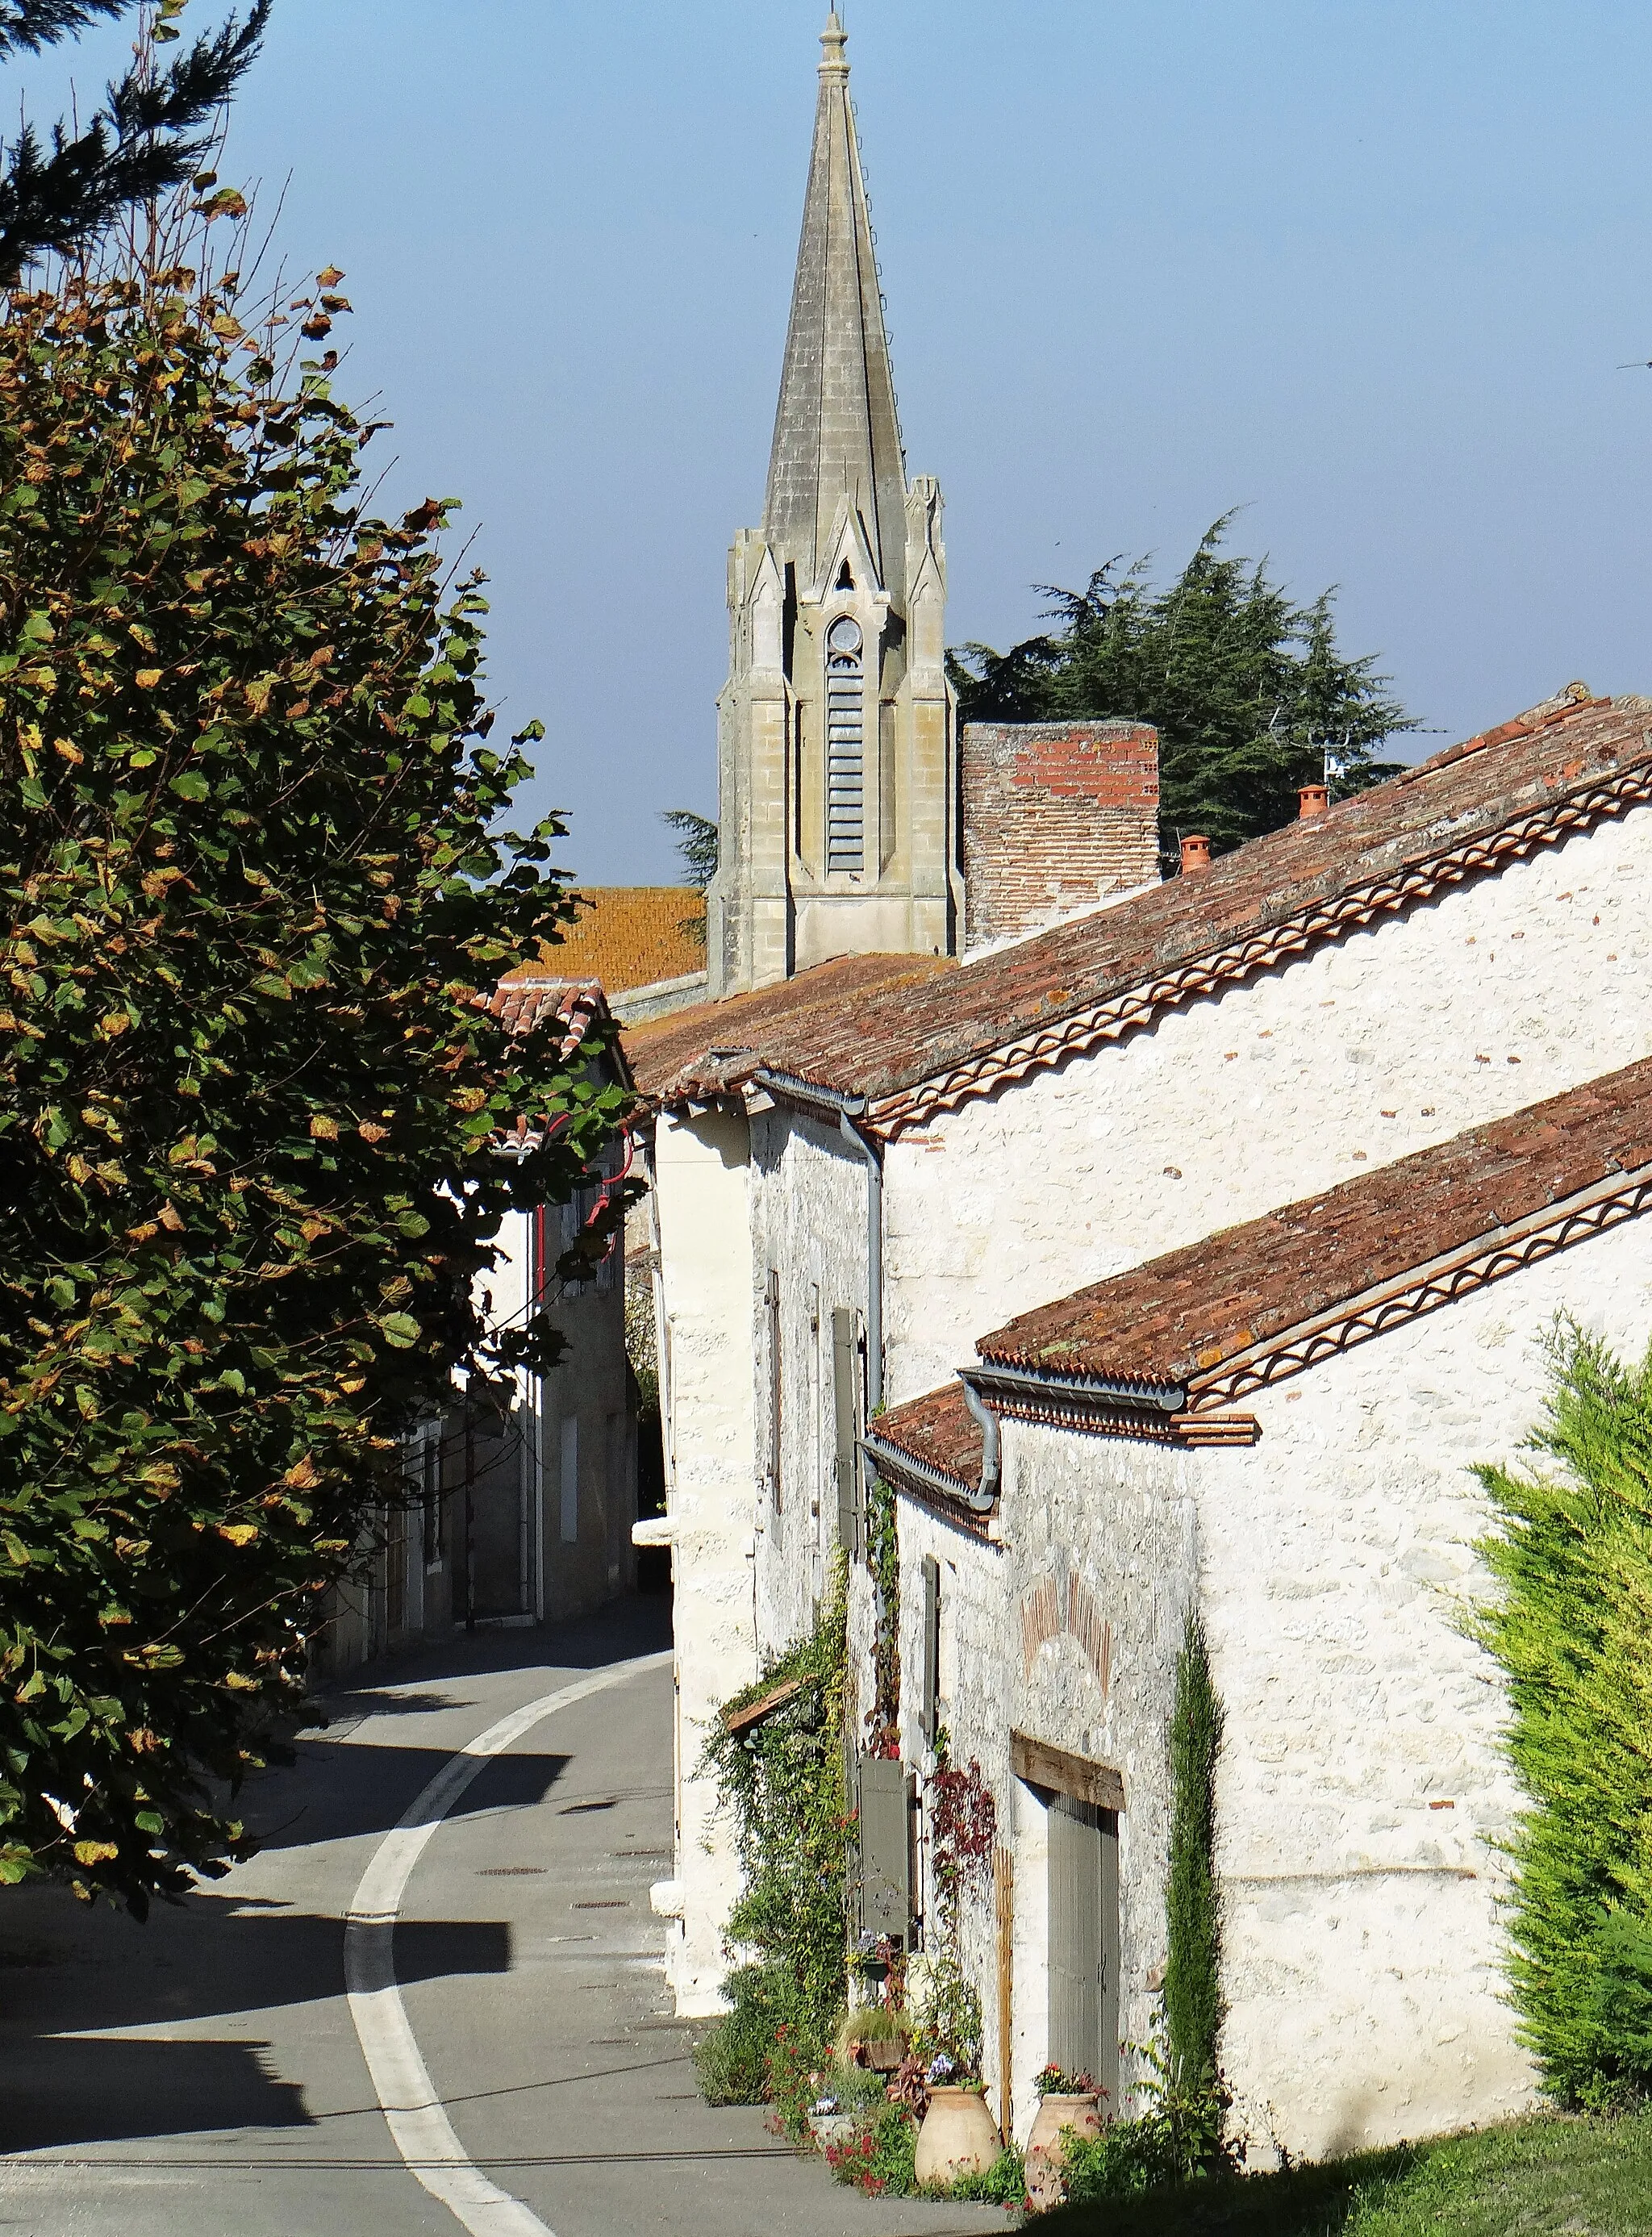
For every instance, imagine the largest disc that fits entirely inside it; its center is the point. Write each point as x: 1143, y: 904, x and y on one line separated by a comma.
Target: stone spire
x: 836, y: 432
x: 838, y: 775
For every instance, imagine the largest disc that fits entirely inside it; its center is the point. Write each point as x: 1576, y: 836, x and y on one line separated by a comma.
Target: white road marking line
x: 416, y: 2116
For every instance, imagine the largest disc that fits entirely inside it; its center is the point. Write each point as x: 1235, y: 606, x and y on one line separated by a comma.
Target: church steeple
x: 838, y: 783
x: 836, y: 432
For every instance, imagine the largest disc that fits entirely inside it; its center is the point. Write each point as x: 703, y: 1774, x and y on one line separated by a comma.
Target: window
x: 845, y: 747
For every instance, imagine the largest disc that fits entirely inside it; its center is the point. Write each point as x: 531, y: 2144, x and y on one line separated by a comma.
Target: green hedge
x: 1572, y: 1629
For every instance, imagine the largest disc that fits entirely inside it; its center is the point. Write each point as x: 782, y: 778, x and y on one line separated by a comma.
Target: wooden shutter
x: 845, y: 1398
x: 886, y: 1888
x: 772, y: 1315
x: 932, y: 1647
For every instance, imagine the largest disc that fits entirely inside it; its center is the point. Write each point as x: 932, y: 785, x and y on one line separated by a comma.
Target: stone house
x: 969, y: 1056
x: 520, y: 1498
x: 857, y: 1171
x: 1382, y: 1339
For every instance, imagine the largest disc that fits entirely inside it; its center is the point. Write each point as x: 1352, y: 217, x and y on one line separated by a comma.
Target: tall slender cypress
x: 1193, y: 2000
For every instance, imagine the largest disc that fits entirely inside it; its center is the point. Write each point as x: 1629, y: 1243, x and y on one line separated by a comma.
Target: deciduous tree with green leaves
x: 256, y: 892
x: 1249, y: 693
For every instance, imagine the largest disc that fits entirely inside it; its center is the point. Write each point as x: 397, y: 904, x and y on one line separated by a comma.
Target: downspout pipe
x: 849, y: 1110
x: 985, y: 1493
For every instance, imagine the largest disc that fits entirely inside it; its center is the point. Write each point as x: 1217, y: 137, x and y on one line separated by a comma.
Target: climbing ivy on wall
x: 1193, y: 1999
x: 1571, y: 1630
x: 782, y: 1779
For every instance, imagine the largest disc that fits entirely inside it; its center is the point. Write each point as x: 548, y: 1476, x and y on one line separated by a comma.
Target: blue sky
x: 1367, y: 271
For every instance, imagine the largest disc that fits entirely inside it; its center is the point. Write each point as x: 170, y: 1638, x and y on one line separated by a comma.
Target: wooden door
x: 1084, y: 1948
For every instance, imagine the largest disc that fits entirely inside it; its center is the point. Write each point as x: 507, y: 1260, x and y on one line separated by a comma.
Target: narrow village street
x: 202, y: 2074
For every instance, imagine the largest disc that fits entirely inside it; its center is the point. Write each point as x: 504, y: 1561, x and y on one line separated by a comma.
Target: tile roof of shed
x: 890, y: 1027
x: 1176, y: 1320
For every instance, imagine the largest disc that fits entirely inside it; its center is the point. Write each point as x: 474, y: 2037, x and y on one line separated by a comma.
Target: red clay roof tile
x: 879, y: 1025
x: 1181, y: 1315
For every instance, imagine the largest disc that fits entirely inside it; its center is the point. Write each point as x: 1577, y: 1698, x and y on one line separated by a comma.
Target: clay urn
x: 1046, y: 2147
x: 959, y: 2136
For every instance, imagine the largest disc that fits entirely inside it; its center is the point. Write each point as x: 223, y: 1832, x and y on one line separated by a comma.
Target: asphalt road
x: 203, y: 2074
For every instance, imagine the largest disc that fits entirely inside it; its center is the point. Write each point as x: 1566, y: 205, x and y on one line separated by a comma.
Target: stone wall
x: 1467, y: 1008
x: 701, y: 1170
x: 1363, y: 1795
x: 1058, y: 817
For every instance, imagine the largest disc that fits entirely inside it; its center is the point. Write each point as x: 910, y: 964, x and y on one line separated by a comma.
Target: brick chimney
x: 1311, y: 799
x: 1058, y: 819
x: 1195, y: 856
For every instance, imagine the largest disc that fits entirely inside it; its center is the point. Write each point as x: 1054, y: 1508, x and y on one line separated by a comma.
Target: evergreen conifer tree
x: 151, y: 135
x: 1249, y: 693
x: 1573, y: 1632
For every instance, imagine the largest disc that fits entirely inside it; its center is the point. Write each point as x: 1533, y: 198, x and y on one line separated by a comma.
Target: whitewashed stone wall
x: 1118, y: 1521
x: 809, y: 1226
x: 1492, y: 997
x: 1363, y: 1795
x: 701, y: 1172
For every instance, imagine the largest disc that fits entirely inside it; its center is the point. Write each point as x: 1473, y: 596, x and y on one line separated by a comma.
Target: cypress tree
x: 1194, y: 2009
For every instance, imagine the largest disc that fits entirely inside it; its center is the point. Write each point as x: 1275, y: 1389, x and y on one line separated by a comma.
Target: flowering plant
x: 1055, y: 2082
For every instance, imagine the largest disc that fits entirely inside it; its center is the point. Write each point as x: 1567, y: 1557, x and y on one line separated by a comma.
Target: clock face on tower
x: 844, y: 636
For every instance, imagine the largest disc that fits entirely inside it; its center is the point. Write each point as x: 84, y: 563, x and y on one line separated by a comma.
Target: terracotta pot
x: 959, y: 2136
x: 884, y: 2055
x: 1044, y: 2145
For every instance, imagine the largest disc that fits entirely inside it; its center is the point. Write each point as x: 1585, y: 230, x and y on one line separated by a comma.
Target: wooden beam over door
x: 1041, y: 1765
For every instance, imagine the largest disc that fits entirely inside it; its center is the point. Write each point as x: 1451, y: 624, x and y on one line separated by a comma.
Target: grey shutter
x: 1083, y: 1941
x: 932, y: 1647
x: 772, y: 1318
x: 845, y: 1370
x: 886, y: 1891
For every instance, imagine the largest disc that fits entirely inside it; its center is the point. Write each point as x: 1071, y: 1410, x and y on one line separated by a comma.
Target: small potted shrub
x: 1069, y: 2106
x: 959, y: 2135
x: 873, y: 2035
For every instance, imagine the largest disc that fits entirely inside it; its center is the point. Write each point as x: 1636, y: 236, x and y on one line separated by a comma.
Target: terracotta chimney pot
x: 1313, y: 800
x: 1195, y: 856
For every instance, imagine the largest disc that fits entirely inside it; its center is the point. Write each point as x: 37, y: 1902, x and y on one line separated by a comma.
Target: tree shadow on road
x: 71, y: 1978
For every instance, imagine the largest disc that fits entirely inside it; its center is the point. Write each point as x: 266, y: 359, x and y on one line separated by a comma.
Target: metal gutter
x: 1023, y: 1381
x: 901, y: 1462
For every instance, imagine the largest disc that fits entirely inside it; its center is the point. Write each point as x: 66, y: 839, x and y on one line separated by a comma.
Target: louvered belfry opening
x: 845, y: 747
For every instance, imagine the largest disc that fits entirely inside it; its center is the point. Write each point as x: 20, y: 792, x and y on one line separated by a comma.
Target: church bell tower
x: 838, y: 791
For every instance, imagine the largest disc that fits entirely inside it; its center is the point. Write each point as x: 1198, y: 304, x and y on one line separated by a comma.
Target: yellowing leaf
x: 324, y: 1129
x: 239, y: 1533
x: 95, y: 1852
x: 148, y: 677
